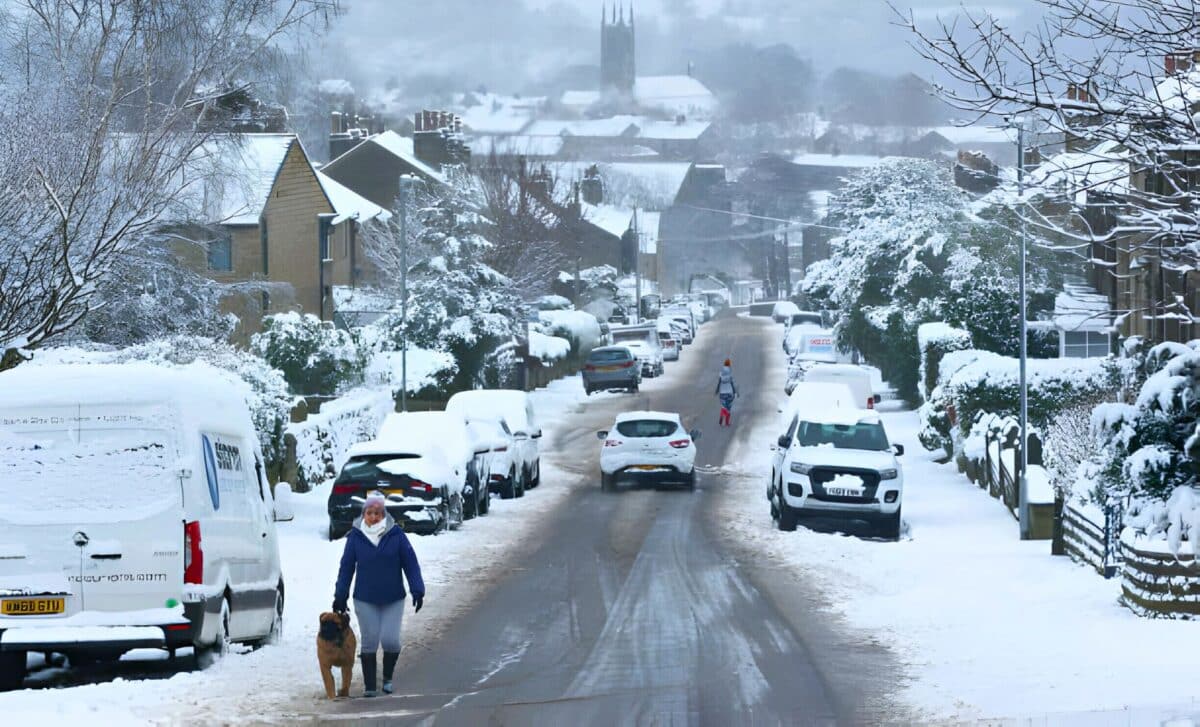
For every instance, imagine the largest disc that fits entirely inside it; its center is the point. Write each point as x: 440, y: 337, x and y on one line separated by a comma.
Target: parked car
x: 611, y: 367
x: 134, y: 513
x: 683, y: 314
x: 466, y: 448
x: 669, y: 341
x: 520, y: 465
x: 418, y: 473
x: 648, y: 447
x: 783, y: 311
x: 618, y: 316
x: 680, y: 330
x: 810, y: 342
x: 837, y: 463
x: 643, y: 340
x: 805, y: 317
x: 856, y: 377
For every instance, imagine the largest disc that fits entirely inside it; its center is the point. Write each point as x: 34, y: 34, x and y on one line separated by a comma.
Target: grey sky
x: 509, y: 44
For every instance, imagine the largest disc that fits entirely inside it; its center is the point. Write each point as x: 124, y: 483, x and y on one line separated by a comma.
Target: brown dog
x: 336, y: 647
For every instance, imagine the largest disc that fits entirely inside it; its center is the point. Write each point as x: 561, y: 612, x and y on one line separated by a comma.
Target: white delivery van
x: 134, y: 513
x: 858, y: 379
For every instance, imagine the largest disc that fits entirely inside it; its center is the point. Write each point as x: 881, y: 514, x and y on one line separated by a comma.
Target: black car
x: 418, y: 506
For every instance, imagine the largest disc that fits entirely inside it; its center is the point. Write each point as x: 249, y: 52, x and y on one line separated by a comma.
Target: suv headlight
x: 801, y: 468
x: 888, y: 474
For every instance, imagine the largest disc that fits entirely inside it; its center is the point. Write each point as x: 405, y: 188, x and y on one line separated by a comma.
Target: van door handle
x: 106, y: 556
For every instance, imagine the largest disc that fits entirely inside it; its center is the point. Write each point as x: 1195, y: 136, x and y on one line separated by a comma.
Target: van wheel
x: 275, y: 633
x: 12, y: 670
x: 219, y: 648
x: 787, y: 516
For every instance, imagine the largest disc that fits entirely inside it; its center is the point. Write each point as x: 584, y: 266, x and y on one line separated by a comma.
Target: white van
x: 134, y: 513
x: 858, y: 379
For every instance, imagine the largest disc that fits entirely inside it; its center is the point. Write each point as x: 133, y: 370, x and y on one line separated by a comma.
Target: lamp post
x: 1023, y: 481
x: 405, y: 180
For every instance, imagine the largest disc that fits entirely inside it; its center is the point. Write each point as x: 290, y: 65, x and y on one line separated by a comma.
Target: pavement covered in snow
x: 988, y: 627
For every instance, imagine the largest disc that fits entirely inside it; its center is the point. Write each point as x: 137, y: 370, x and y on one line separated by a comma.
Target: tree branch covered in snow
x: 524, y: 225
x: 1120, y: 80
x: 101, y: 106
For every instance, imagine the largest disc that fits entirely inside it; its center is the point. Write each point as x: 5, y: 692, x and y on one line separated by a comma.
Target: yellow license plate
x: 610, y: 368
x: 647, y: 467
x: 32, y: 606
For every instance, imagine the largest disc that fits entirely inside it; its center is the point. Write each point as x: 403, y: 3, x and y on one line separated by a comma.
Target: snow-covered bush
x: 324, y: 438
x: 548, y: 349
x: 579, y: 327
x: 315, y: 357
x: 935, y: 340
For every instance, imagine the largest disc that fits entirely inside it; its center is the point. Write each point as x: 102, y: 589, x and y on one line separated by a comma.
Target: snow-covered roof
x: 638, y: 416
x: 491, y: 113
x: 676, y: 94
x: 655, y: 129
x: 402, y: 148
x: 621, y: 125
x: 613, y: 220
x: 1179, y: 92
x: 809, y: 159
x: 232, y: 176
x: 336, y: 87
x: 533, y: 146
x: 1105, y: 168
x: 1082, y: 308
x: 580, y: 99
x: 348, y: 204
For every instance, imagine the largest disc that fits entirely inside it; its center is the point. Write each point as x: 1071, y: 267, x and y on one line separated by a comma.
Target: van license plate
x: 32, y: 606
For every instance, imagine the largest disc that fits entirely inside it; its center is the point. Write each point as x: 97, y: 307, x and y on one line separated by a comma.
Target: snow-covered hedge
x: 580, y: 328
x: 935, y: 340
x: 315, y: 357
x: 324, y: 438
x: 548, y: 348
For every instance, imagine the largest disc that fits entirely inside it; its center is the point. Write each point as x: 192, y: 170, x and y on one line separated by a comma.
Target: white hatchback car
x: 648, y: 447
x: 837, y: 463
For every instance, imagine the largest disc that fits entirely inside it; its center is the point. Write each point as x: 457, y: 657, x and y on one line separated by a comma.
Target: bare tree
x: 524, y: 210
x: 1120, y: 80
x: 102, y: 105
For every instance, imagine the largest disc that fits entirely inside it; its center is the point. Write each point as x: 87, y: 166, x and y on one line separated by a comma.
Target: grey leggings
x: 379, y: 623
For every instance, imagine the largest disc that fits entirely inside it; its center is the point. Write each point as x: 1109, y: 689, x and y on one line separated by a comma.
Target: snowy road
x: 632, y: 610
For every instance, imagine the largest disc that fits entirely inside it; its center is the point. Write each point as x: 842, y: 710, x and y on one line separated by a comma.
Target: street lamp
x: 402, y: 202
x: 1023, y: 480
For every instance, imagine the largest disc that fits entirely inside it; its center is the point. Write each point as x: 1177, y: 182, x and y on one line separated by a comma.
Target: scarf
x: 374, y: 532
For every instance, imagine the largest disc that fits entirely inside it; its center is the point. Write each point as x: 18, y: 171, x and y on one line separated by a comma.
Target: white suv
x: 837, y: 463
x: 649, y: 447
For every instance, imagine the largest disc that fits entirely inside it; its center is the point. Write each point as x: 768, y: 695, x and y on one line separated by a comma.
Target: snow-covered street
x: 988, y: 627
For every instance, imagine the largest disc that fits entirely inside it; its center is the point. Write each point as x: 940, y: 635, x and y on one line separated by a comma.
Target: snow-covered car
x: 858, y: 378
x: 419, y: 481
x: 466, y: 447
x: 806, y: 399
x: 684, y: 315
x: 783, y: 311
x: 643, y: 340
x: 519, y: 465
x: 680, y: 330
x: 650, y: 358
x: 837, y: 463
x: 669, y: 342
x: 648, y: 447
x: 134, y: 513
x: 805, y: 317
x: 611, y: 367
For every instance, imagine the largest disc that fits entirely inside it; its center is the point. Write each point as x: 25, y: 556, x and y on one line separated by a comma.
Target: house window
x: 1085, y: 344
x: 220, y: 254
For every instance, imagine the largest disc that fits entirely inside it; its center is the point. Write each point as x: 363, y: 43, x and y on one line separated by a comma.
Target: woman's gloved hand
x: 339, y: 605
x: 418, y: 601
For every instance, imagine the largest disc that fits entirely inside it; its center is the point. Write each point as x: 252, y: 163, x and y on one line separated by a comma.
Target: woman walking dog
x: 377, y: 550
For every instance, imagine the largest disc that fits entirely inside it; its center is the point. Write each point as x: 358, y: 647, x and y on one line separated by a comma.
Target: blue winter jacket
x: 376, y: 568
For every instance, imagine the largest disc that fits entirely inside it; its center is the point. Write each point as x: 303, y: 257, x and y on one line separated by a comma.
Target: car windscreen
x: 647, y: 428
x: 609, y: 356
x: 360, y: 469
x: 863, y: 435
x: 626, y: 336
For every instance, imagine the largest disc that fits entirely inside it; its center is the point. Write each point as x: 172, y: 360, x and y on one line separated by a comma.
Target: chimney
x: 1181, y: 61
x: 592, y: 186
x: 437, y: 139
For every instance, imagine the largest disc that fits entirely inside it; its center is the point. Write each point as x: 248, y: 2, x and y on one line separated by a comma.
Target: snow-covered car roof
x: 425, y: 431
x: 494, y: 404
x: 638, y: 416
x: 842, y: 417
x: 425, y: 469
x: 785, y: 308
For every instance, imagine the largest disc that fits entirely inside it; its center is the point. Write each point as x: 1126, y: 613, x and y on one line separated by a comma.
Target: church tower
x: 617, y: 69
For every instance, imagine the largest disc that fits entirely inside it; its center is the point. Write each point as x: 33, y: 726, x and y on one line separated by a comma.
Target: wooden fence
x: 1160, y: 585
x: 1092, y: 537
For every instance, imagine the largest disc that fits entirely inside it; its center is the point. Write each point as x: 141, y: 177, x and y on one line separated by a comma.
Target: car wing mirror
x: 898, y: 449
x: 783, y: 441
x: 603, y: 434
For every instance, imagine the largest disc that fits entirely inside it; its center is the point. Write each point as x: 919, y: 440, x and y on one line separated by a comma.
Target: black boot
x: 368, y: 670
x: 389, y: 666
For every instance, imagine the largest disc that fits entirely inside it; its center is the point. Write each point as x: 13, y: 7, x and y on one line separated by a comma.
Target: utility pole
x: 403, y: 201
x: 637, y: 269
x: 787, y: 264
x: 1023, y: 481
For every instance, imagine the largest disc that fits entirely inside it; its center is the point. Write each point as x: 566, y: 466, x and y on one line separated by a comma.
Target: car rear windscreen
x: 366, y: 469
x: 609, y: 356
x: 864, y: 435
x: 647, y: 428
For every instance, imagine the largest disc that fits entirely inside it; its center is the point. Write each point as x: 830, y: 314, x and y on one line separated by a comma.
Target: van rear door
x: 91, y: 495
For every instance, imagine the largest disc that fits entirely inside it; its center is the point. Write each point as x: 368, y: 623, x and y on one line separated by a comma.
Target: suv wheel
x: 518, y: 484
x: 606, y: 482
x: 890, y: 527
x: 787, y: 516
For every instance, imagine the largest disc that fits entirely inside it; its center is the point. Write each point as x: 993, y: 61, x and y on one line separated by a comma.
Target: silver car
x: 611, y: 367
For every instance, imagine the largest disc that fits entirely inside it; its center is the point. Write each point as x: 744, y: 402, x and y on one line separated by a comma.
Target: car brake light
x: 193, y: 555
x: 418, y: 485
x: 681, y: 443
x: 870, y: 402
x: 345, y: 489
x: 613, y: 443
x: 627, y: 364
x: 589, y: 367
